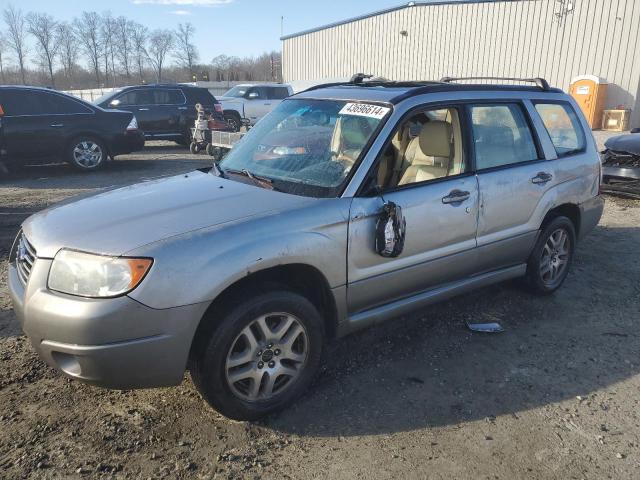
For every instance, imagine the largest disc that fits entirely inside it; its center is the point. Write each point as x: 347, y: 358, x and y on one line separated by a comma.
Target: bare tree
x: 88, y: 33
x: 186, y: 52
x: 43, y: 28
x: 68, y: 49
x: 160, y: 44
x: 139, y: 36
x: 107, y: 34
x: 124, y: 41
x: 3, y: 49
x: 17, y: 36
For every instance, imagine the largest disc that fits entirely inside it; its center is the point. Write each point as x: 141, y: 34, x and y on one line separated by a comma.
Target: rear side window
x: 58, y: 104
x: 168, y: 97
x: 199, y: 95
x: 563, y: 126
x: 278, y: 93
x: 501, y: 136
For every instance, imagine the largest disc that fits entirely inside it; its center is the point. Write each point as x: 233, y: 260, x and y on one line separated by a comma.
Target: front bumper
x: 131, y: 141
x: 114, y: 343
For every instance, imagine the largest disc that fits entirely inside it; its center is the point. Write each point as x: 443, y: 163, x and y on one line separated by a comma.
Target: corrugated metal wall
x: 504, y: 38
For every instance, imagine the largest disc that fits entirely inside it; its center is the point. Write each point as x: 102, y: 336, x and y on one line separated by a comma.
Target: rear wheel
x: 549, y: 263
x: 261, y: 357
x: 87, y: 153
x: 193, y: 148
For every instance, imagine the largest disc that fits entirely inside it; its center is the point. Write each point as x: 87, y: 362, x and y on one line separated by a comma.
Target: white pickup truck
x: 247, y: 103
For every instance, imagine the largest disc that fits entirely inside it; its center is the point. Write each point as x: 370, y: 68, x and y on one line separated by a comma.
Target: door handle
x: 182, y: 108
x: 56, y: 125
x: 542, y: 178
x: 267, y: 104
x: 456, y: 196
x: 143, y: 109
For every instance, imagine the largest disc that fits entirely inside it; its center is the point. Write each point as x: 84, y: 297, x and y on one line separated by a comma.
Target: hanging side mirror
x: 391, y: 229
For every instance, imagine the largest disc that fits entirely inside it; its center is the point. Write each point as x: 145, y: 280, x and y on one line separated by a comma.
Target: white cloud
x: 180, y: 12
x: 195, y: 3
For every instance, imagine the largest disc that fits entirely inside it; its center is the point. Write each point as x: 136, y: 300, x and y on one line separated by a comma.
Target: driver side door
x: 427, y: 174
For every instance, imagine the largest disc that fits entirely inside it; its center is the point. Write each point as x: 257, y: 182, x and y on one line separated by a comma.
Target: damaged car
x: 348, y: 205
x: 621, y: 165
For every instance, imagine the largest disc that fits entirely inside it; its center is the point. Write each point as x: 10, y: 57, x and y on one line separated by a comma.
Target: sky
x: 231, y: 27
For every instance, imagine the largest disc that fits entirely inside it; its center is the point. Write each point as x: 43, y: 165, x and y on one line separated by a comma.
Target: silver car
x: 347, y: 205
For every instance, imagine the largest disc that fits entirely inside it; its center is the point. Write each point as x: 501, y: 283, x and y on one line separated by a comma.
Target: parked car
x: 164, y: 112
x: 40, y: 125
x: 621, y: 165
x: 240, y: 273
x: 247, y: 103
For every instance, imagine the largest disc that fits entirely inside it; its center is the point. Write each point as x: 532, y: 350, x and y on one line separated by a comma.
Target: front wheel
x: 87, y: 153
x: 233, y: 120
x: 549, y: 263
x: 261, y: 357
x: 193, y: 148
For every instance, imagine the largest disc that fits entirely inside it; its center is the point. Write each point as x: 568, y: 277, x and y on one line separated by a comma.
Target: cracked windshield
x: 307, y: 147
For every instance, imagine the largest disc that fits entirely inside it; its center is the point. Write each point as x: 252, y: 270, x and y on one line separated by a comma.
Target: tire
x: 87, y: 153
x: 550, y: 260
x: 193, y: 148
x: 240, y: 375
x: 211, y: 150
x: 233, y: 120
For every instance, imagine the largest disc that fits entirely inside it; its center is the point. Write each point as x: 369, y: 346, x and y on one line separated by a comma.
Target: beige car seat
x: 428, y: 155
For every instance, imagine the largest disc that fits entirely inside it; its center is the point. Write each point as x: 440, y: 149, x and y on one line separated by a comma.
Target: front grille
x: 25, y: 257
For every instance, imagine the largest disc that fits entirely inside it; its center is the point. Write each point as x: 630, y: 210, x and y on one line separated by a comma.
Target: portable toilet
x: 590, y: 92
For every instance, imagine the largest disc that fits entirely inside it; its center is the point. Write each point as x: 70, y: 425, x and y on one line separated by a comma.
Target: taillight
x: 133, y: 125
x: 218, y: 107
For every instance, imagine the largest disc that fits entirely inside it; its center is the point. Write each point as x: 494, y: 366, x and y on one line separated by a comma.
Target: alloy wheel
x: 555, y: 256
x: 87, y: 154
x: 267, y: 357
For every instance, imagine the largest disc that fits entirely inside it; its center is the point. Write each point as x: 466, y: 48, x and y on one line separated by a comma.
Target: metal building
x: 554, y: 39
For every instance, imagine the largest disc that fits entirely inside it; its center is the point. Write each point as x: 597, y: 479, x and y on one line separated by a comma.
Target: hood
x: 629, y: 143
x: 117, y: 221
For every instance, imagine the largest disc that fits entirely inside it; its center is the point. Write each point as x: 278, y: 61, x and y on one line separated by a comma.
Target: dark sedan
x: 38, y: 125
x: 164, y: 112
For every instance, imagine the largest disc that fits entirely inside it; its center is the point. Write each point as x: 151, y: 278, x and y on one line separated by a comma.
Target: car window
x: 501, y: 136
x: 135, y: 97
x: 563, y: 126
x: 167, y: 97
x: 278, y: 93
x: 37, y: 102
x: 426, y: 146
x: 306, y: 146
x: 259, y: 91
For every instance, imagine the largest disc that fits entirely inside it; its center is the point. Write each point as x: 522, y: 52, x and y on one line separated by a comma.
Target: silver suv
x: 347, y: 205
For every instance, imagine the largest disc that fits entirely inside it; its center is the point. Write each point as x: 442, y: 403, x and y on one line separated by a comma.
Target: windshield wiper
x: 263, y: 182
x: 217, y: 170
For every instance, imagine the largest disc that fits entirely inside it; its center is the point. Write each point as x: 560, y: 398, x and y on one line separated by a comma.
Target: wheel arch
x: 300, y: 278
x: 569, y: 210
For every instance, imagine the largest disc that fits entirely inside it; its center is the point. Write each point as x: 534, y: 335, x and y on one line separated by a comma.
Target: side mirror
x: 253, y: 95
x: 114, y: 103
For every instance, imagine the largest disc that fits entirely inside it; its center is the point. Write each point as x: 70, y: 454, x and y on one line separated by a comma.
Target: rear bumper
x: 113, y: 343
x: 590, y: 214
x: 131, y: 141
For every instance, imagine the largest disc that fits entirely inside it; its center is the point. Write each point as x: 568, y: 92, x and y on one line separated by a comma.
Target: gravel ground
x: 555, y: 396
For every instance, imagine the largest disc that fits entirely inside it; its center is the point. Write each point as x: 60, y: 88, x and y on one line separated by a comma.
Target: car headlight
x: 90, y: 275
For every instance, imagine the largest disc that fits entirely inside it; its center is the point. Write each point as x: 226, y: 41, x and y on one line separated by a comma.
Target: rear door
x: 168, y: 106
x: 513, y: 177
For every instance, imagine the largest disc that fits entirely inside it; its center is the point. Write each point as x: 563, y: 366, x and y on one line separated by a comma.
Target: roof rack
x: 540, y: 82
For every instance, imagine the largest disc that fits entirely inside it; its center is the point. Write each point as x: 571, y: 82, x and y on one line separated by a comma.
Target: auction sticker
x: 364, y: 110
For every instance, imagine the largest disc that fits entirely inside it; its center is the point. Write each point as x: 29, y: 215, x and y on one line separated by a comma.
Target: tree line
x: 97, y: 50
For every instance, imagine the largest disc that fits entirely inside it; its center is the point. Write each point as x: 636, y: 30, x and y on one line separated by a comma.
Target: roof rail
x: 540, y: 82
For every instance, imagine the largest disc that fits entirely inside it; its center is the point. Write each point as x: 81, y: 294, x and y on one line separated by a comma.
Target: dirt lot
x: 555, y: 396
